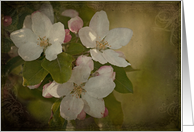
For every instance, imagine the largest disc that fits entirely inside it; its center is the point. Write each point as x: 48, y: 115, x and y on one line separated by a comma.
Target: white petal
x: 118, y: 37
x: 58, y: 90
x: 88, y: 37
x: 80, y: 74
x: 106, y: 71
x: 99, y: 86
x: 30, y: 51
x: 27, y: 22
x: 85, y: 60
x: 97, y: 56
x: 113, y: 58
x: 70, y: 13
x: 22, y: 36
x: 47, y: 9
x: 41, y: 24
x: 57, y: 33
x: 92, y: 106
x: 52, y: 51
x: 70, y: 107
x: 100, y: 24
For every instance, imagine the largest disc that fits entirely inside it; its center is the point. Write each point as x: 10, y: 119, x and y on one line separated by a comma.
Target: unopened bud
x: 75, y: 24
x: 67, y: 36
x: 7, y: 20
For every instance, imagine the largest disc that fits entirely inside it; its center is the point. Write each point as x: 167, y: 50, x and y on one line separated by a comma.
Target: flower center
x: 102, y: 45
x: 78, y: 89
x: 43, y: 42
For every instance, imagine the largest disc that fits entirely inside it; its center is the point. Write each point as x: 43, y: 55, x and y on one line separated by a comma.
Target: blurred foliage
x: 56, y: 122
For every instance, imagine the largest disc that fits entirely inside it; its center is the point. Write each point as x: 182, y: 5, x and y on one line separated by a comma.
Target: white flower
x: 98, y: 37
x: 38, y: 35
x: 82, y: 92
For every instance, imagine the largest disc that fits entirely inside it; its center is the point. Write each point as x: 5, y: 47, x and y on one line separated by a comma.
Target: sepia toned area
x: 154, y: 52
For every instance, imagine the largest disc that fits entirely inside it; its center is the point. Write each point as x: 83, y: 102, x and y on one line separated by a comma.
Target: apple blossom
x: 83, y: 93
x: 102, y: 41
x: 42, y: 36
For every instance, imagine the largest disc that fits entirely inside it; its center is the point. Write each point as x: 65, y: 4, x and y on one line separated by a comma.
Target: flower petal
x: 27, y: 22
x: 106, y: 71
x: 70, y: 13
x: 70, y: 107
x: 80, y: 74
x: 97, y: 56
x: 34, y: 86
x: 88, y: 37
x: 75, y: 24
x: 30, y: 51
x: 52, y: 51
x: 22, y: 36
x: 81, y: 115
x: 99, y: 86
x: 58, y: 90
x: 57, y: 33
x: 113, y: 58
x: 118, y: 37
x: 100, y: 24
x: 45, y: 93
x: 47, y: 9
x: 92, y: 106
x: 41, y: 24
x: 84, y: 60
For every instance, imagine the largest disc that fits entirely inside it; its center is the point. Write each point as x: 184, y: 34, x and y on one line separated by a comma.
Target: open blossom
x: 84, y: 94
x: 38, y: 35
x: 103, y: 42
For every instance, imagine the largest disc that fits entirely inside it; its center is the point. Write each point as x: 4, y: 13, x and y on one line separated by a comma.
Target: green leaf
x: 13, y: 63
x: 33, y: 73
x: 56, y: 121
x: 75, y: 49
x: 114, y: 109
x: 60, y: 68
x: 123, y: 84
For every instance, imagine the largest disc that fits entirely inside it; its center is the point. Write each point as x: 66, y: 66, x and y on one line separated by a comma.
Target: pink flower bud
x: 34, y: 86
x: 75, y: 24
x: 7, y: 20
x: 43, y: 90
x: 70, y: 13
x: 82, y: 115
x: 67, y: 36
x: 105, y: 112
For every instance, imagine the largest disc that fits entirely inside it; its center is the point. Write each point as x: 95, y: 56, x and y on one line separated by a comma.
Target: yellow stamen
x: 102, y: 45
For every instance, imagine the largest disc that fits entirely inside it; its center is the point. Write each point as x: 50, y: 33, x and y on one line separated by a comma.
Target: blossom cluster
x: 83, y: 93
